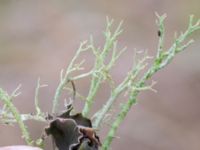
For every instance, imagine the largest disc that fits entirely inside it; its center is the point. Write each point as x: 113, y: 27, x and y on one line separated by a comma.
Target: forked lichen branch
x: 11, y: 109
x: 163, y: 58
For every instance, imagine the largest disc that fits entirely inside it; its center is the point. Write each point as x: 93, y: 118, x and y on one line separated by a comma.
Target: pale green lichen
x: 132, y: 84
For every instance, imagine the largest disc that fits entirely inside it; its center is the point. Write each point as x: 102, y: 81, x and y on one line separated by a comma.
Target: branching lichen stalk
x: 125, y: 85
x: 65, y: 79
x: 117, y: 122
x: 7, y: 100
x: 100, y: 68
x: 163, y: 58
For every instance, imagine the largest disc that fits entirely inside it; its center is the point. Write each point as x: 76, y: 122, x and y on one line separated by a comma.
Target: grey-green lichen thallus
x: 77, y: 131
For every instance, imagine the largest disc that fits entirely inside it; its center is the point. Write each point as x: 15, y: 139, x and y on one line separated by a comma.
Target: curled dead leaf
x: 73, y: 132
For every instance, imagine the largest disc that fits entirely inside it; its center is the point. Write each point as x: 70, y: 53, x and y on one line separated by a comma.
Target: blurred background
x: 39, y: 38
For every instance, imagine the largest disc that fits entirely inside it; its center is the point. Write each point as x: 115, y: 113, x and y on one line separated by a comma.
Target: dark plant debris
x: 73, y: 132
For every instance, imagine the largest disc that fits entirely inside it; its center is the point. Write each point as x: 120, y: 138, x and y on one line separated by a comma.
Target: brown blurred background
x: 39, y: 37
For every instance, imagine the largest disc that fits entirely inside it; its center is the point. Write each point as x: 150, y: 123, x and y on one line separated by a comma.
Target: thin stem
x: 38, y: 110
